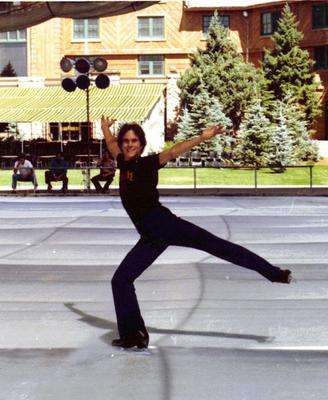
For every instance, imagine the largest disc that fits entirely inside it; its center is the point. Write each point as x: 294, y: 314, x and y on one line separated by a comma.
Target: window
x: 151, y: 65
x: 320, y: 16
x: 224, y: 20
x: 13, y: 49
x: 269, y: 22
x: 150, y: 27
x: 86, y: 29
x: 321, y: 57
x: 13, y: 36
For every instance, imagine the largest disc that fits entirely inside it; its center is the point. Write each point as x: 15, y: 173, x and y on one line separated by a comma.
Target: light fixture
x: 100, y: 64
x: 82, y: 65
x: 83, y: 82
x: 84, y: 77
x: 68, y: 84
x: 66, y: 64
x: 102, y: 81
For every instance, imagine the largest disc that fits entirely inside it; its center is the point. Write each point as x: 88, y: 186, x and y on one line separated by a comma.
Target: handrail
x: 87, y: 170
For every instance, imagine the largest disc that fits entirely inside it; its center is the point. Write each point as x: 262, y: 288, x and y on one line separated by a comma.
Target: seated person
x: 23, y: 171
x: 57, y: 172
x: 107, y: 172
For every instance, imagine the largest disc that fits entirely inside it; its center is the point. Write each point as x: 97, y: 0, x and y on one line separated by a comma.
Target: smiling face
x: 131, y: 145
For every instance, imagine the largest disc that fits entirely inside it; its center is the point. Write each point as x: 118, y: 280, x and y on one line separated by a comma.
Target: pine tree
x: 8, y: 70
x: 186, y: 127
x: 205, y: 111
x: 288, y: 68
x: 254, y: 136
x: 220, y: 68
x: 280, y: 145
x: 304, y: 148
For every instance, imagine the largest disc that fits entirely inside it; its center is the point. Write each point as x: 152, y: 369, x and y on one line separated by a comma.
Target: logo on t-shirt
x: 129, y: 176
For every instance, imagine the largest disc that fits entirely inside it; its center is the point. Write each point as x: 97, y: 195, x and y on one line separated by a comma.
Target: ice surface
x: 217, y: 331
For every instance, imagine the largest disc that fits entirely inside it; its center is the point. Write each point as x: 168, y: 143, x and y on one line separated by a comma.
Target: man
x: 107, y: 172
x: 57, y: 172
x: 23, y: 171
x: 159, y: 227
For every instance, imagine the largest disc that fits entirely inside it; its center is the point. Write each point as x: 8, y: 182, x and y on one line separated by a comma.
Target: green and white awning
x: 124, y: 102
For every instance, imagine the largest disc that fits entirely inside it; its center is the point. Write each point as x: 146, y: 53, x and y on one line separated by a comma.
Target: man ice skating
x: 159, y: 227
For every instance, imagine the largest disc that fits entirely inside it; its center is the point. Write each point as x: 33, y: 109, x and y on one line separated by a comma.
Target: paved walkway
x: 217, y: 331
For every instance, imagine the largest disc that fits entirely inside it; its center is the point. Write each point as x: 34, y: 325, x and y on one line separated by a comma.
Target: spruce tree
x: 280, y: 145
x: 8, y: 70
x: 220, y: 68
x: 304, y: 148
x: 254, y: 136
x: 205, y: 111
x: 186, y: 127
x: 288, y: 68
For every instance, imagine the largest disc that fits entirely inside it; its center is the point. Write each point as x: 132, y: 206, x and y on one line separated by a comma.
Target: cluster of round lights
x: 83, y: 66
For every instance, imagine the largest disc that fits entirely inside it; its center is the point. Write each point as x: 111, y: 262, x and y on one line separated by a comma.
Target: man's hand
x: 106, y: 123
x: 211, y: 131
x: 110, y: 139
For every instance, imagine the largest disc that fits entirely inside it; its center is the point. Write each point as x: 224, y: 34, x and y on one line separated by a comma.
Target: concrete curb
x: 214, y: 191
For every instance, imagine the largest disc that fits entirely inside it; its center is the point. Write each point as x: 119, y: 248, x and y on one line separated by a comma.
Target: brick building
x: 153, y: 44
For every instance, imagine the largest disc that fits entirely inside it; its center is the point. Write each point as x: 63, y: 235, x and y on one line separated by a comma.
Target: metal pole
x: 311, y: 176
x: 255, y: 176
x: 88, y: 138
x: 194, y: 177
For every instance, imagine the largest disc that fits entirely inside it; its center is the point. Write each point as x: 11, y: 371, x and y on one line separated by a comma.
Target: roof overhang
x: 29, y: 13
x: 124, y: 102
x: 199, y: 5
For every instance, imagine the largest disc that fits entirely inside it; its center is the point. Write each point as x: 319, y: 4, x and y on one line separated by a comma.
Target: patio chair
x: 196, y: 159
x: 184, y: 160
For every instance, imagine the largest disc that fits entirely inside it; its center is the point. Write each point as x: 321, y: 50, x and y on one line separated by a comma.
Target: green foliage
x: 304, y: 148
x: 205, y: 111
x: 8, y: 70
x: 221, y: 70
x: 254, y: 136
x: 280, y: 144
x: 288, y: 69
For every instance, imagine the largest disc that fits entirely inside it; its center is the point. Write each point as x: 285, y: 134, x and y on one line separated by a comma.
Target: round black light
x: 68, y: 84
x: 82, y: 65
x: 66, y: 64
x: 102, y: 81
x: 83, y: 82
x: 100, y: 64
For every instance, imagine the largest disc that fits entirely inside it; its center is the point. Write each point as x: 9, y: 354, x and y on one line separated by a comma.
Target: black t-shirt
x: 138, y: 181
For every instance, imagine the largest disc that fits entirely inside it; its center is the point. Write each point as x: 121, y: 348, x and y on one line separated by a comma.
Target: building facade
x: 153, y: 44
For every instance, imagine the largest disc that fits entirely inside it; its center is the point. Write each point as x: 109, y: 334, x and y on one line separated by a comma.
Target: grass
x: 209, y: 177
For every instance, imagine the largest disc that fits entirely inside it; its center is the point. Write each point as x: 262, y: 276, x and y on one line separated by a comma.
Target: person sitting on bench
x: 23, y: 171
x: 107, y: 172
x: 57, y: 172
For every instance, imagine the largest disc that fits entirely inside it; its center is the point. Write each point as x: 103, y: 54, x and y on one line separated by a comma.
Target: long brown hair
x: 137, y: 129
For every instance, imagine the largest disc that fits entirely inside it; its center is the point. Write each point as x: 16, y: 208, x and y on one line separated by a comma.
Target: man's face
x: 131, y: 146
x: 21, y: 160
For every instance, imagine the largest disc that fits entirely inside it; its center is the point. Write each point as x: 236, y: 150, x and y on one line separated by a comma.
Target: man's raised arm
x: 110, y: 139
x: 186, y: 145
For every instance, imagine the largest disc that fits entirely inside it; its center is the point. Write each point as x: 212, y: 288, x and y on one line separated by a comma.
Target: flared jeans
x: 160, y: 229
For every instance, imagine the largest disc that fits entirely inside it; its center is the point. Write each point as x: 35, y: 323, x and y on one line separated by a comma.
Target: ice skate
x: 134, y: 339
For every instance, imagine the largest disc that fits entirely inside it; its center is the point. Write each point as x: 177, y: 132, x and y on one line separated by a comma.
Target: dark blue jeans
x: 158, y: 230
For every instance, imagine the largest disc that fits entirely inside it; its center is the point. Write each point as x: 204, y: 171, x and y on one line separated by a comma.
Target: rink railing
x: 256, y: 170
x: 194, y: 181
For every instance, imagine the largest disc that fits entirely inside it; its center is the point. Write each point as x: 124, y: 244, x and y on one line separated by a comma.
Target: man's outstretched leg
x: 130, y: 323
x: 190, y: 235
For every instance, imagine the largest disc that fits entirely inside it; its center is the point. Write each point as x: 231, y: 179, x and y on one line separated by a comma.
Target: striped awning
x: 124, y: 102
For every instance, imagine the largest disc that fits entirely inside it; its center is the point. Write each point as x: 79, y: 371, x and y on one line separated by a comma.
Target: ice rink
x: 217, y: 331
